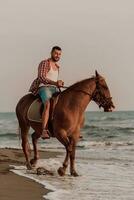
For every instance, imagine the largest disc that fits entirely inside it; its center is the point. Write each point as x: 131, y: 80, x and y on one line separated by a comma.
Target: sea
x: 104, y: 158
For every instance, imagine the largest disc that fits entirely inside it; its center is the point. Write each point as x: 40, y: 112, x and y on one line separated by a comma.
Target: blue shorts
x: 46, y: 92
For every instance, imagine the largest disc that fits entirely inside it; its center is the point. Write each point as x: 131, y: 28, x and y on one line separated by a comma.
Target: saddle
x: 35, y: 110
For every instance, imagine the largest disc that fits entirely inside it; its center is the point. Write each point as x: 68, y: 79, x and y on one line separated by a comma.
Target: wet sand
x: 14, y: 187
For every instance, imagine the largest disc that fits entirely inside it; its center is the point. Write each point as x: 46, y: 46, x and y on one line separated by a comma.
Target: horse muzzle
x: 109, y: 108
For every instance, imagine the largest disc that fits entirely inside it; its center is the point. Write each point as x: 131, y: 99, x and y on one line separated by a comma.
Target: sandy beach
x: 14, y: 187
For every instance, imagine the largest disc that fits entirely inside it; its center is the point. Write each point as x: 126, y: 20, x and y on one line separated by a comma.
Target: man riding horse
x: 68, y: 113
x: 46, y: 84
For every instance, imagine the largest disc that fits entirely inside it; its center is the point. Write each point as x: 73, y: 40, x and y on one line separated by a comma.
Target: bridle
x: 99, y: 97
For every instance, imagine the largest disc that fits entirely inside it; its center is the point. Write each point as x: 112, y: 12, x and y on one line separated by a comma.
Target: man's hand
x: 60, y: 83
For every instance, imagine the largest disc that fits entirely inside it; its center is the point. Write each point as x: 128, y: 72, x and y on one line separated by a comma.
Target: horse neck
x: 85, y: 90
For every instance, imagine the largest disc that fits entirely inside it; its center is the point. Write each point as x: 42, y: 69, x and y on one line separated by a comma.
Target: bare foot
x: 45, y: 134
x: 80, y: 136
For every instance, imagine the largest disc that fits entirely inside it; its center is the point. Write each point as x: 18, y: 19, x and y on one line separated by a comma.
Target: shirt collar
x: 55, y: 63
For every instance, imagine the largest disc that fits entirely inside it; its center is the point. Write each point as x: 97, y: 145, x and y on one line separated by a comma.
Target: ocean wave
x: 108, y: 128
x: 87, y: 145
x: 82, y: 145
x: 8, y: 135
x: 109, y: 118
x: 95, y: 127
x: 125, y: 128
x: 106, y: 118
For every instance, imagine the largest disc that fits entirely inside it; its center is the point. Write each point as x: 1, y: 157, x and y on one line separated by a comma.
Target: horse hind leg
x: 26, y: 145
x: 35, y: 138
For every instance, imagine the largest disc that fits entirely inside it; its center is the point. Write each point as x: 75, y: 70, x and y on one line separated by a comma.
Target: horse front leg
x: 35, y: 138
x: 62, y: 170
x: 62, y: 137
x: 74, y: 140
x: 72, y: 162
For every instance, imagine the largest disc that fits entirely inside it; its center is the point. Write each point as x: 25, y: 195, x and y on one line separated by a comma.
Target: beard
x: 55, y: 59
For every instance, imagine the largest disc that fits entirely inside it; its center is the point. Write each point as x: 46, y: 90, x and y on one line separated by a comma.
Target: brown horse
x: 67, y: 117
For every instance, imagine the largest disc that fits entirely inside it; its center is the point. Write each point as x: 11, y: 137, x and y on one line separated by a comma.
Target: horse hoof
x: 61, y: 171
x: 74, y: 173
x: 29, y: 166
x: 33, y: 162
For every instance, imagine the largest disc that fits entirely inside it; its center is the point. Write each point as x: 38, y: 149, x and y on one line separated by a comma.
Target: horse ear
x: 96, y: 73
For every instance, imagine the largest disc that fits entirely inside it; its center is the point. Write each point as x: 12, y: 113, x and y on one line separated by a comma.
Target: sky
x: 93, y: 35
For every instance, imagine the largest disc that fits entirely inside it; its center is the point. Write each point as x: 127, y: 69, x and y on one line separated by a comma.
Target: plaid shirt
x: 43, y: 69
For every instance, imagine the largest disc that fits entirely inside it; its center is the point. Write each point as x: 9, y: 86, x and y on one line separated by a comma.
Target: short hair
x: 56, y: 48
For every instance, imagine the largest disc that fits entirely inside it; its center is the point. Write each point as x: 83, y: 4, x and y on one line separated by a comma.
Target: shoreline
x: 13, y: 186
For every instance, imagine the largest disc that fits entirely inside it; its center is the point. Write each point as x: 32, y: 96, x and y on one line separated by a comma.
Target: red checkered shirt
x: 43, y: 69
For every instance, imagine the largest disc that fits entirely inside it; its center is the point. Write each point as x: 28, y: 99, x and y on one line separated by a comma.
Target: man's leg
x: 45, y: 117
x: 45, y: 95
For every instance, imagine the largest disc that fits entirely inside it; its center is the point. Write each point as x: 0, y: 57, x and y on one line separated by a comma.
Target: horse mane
x: 79, y: 83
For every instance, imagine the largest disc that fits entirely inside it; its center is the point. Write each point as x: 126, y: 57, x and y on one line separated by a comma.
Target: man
x: 46, y: 84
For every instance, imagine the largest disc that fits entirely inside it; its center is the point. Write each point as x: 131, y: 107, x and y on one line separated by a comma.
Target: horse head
x: 102, y: 94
